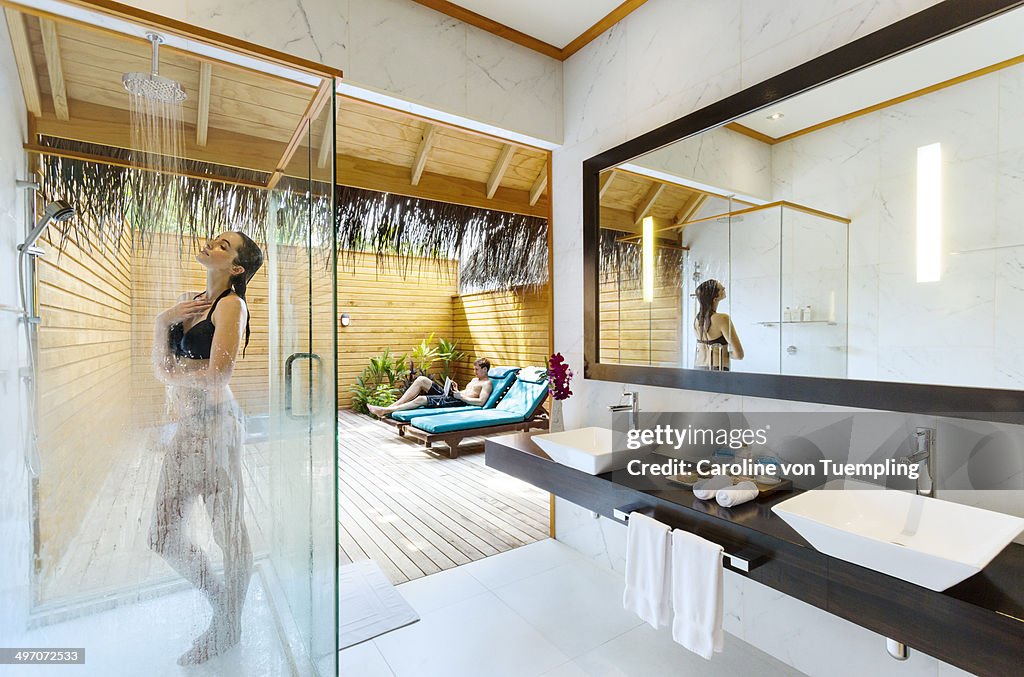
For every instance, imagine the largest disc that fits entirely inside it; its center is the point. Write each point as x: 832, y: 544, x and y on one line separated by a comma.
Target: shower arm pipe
x: 156, y: 40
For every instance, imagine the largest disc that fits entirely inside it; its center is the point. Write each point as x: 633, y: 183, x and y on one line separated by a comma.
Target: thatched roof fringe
x: 498, y: 250
x: 622, y: 262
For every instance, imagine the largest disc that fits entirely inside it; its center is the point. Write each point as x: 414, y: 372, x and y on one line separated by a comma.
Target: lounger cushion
x: 407, y: 415
x: 523, y: 397
x: 501, y: 372
x: 500, y: 385
x: 465, y: 420
x: 521, y: 401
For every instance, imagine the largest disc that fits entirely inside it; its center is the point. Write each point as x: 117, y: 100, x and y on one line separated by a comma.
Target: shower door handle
x: 289, y: 365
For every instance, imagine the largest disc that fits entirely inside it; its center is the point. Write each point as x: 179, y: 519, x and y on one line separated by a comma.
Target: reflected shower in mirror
x: 867, y: 229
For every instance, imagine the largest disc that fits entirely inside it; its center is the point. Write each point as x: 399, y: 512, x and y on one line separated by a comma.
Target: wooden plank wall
x: 389, y: 310
x: 506, y: 327
x: 636, y: 332
x: 85, y: 375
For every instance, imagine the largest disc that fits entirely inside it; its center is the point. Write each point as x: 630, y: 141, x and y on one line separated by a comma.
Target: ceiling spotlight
x: 776, y: 116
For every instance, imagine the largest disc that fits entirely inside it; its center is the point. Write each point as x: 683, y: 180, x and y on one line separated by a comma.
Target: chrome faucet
x: 631, y: 404
x: 924, y: 442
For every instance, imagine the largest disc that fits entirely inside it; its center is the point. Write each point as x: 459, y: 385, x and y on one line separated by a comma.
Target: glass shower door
x: 303, y: 420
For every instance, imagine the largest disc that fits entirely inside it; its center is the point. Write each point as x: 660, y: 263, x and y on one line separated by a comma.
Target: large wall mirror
x: 860, y: 220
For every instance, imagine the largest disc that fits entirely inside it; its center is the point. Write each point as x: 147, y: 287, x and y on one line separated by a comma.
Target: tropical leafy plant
x: 448, y: 352
x: 424, y: 356
x: 380, y: 383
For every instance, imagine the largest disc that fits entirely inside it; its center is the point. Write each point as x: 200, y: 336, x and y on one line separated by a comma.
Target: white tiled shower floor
x: 146, y: 639
x: 540, y: 610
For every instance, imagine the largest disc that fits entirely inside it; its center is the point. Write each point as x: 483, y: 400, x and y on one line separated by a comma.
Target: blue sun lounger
x: 501, y: 378
x: 520, y: 409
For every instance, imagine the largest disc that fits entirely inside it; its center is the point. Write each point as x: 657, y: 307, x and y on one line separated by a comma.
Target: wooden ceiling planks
x: 253, y: 118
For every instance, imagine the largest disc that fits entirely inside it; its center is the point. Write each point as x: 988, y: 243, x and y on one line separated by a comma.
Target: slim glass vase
x: 556, y: 424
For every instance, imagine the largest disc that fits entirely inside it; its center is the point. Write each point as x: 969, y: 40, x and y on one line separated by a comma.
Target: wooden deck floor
x: 413, y: 512
x: 417, y: 512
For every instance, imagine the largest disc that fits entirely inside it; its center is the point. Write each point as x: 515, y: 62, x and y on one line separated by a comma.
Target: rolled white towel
x: 705, y: 489
x: 736, y: 494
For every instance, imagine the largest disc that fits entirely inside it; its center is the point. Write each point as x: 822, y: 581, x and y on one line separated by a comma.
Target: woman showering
x: 716, y: 336
x: 195, y: 345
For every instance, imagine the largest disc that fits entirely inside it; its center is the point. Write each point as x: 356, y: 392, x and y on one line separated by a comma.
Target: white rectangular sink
x: 591, y: 450
x: 926, y: 541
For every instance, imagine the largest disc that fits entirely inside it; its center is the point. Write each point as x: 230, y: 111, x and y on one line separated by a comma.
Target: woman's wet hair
x: 250, y: 257
x: 706, y: 294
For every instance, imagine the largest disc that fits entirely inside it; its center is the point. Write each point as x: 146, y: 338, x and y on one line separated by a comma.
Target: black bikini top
x: 720, y: 341
x: 197, y: 342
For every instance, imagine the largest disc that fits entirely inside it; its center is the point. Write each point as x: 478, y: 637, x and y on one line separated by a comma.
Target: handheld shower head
x: 55, y: 211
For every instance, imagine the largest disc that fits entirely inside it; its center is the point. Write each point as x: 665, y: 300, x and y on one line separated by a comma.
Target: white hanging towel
x: 697, y: 592
x: 647, y: 570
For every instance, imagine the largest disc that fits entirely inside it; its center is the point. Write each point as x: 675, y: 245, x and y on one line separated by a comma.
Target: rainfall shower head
x: 55, y: 211
x: 153, y: 86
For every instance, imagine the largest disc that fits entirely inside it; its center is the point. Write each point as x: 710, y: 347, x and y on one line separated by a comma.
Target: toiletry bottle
x: 787, y: 314
x: 805, y: 313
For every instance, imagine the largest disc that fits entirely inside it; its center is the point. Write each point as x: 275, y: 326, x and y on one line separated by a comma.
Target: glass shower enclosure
x: 173, y: 520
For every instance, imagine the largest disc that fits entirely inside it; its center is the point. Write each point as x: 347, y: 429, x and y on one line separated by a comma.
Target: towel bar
x: 742, y: 559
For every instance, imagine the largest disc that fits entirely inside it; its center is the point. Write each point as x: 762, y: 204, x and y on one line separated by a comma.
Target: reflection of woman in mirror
x: 194, y: 350
x: 716, y: 337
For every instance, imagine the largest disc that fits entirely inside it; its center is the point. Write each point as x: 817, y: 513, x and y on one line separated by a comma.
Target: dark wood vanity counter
x: 977, y: 625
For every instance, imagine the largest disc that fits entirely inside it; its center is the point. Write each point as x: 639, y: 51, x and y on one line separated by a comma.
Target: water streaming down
x: 202, y: 452
x: 158, y: 144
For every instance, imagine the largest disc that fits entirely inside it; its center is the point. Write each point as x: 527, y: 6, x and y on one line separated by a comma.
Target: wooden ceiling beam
x: 645, y: 206
x: 605, y: 180
x: 23, y: 58
x: 108, y: 126
x: 203, y: 116
x: 539, y: 185
x: 427, y: 142
x: 326, y: 145
x: 320, y: 99
x: 390, y: 178
x: 689, y: 208
x: 500, y: 167
x: 51, y: 48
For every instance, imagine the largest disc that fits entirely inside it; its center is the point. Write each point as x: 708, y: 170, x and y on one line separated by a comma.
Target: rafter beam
x: 325, y: 139
x: 500, y: 167
x: 51, y: 48
x: 539, y: 185
x: 645, y: 206
x: 689, y: 208
x: 203, y: 117
x: 316, y: 104
x: 23, y: 58
x: 606, y: 182
x: 429, y: 132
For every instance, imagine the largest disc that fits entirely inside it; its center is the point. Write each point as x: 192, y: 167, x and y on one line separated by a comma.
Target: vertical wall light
x: 648, y: 258
x: 929, y: 213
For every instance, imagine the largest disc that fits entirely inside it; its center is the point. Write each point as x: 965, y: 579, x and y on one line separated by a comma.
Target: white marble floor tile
x: 522, y: 562
x: 645, y: 652
x: 442, y: 589
x: 363, y: 660
x: 577, y: 607
x: 478, y: 636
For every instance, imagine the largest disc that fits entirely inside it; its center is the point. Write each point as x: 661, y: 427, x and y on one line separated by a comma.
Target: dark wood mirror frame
x: 926, y: 26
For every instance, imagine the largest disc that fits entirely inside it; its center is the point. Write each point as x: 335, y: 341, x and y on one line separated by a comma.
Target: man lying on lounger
x: 424, y: 392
